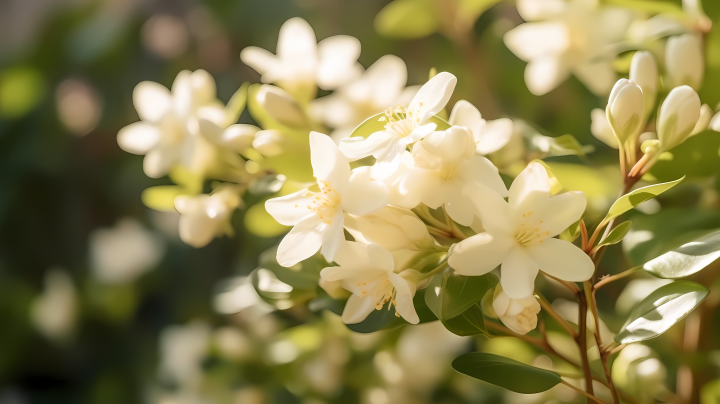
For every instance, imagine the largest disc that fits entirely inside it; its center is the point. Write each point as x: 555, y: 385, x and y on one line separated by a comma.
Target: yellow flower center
x: 531, y: 232
x: 324, y: 203
x: 382, y: 293
x: 401, y: 121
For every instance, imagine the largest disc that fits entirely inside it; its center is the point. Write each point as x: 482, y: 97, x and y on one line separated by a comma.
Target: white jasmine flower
x: 302, y: 63
x: 392, y: 227
x: 445, y: 164
x: 519, y: 315
x: 489, y: 136
x: 123, y: 253
x: 380, y: 87
x: 369, y: 272
x: 644, y: 72
x: 678, y: 116
x: 405, y: 126
x: 684, y: 61
x: 567, y: 37
x: 204, y: 217
x: 168, y: 133
x: 182, y: 350
x: 625, y: 110
x: 518, y: 235
x: 318, y: 216
x: 54, y: 312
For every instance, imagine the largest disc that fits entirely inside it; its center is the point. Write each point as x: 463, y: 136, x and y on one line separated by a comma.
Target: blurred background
x: 100, y: 301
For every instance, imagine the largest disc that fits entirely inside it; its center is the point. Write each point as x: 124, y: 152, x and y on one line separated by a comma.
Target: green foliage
x: 572, y: 232
x: 696, y: 157
x: 507, y: 373
x: 617, y: 234
x: 686, y: 259
x: 454, y: 299
x: 638, y: 196
x: 661, y: 310
x: 162, y: 197
x: 407, y: 19
x: 236, y: 105
x: 386, y: 318
x: 566, y: 145
x: 21, y: 89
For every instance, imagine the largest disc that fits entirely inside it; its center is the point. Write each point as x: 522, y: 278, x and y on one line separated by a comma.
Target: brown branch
x: 549, y: 309
x: 581, y: 340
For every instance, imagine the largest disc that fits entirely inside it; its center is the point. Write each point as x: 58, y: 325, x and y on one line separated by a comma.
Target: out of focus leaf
x: 661, y: 310
x: 265, y: 120
x: 686, y: 259
x: 162, y: 198
x: 295, y: 165
x: 260, y: 223
x: 192, y: 182
x: 236, y: 105
x: 21, y: 89
x: 572, y: 232
x: 473, y: 8
x: 638, y: 196
x: 268, y: 184
x: 304, y: 275
x: 617, y: 234
x: 650, y: 6
x: 654, y: 235
x: 276, y: 292
x: 697, y: 157
x: 407, y: 19
x: 375, y: 124
x: 567, y: 145
x: 385, y: 319
x: 507, y: 373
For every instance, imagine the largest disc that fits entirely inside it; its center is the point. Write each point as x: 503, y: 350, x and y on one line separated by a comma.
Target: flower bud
x: 600, y: 128
x: 706, y: 115
x: 684, y: 61
x: 715, y: 122
x: 625, y: 109
x: 238, y: 137
x: 281, y: 107
x: 519, y: 315
x: 678, y: 116
x: 204, y: 217
x: 268, y: 142
x: 644, y: 72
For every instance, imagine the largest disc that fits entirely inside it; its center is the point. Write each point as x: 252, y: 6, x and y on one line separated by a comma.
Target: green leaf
x: 293, y: 164
x: 266, y: 121
x: 304, y: 275
x: 686, y: 259
x: 374, y: 124
x: 661, y: 310
x: 650, y: 6
x: 507, y: 373
x: 473, y: 8
x: 162, y: 198
x: 572, y: 232
x: 696, y: 157
x: 385, y: 319
x: 407, y: 19
x: 236, y: 105
x: 567, y: 145
x: 617, y: 234
x: 454, y: 299
x: 638, y: 196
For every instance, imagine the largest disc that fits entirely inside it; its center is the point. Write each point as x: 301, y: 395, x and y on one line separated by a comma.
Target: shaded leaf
x: 385, y: 319
x: 662, y: 309
x: 507, y: 373
x: 638, y: 196
x: 470, y: 322
x: 407, y: 19
x: 617, y: 234
x: 572, y: 232
x: 686, y: 259
x: 236, y: 105
x: 448, y: 295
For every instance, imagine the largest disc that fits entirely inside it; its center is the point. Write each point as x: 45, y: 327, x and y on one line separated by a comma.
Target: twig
x: 588, y: 395
x: 573, y: 287
x: 549, y: 309
x: 615, y: 277
x: 616, y: 349
x: 581, y: 340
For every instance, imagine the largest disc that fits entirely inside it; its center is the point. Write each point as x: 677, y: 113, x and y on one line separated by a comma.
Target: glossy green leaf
x: 507, y: 373
x: 468, y: 323
x: 638, y: 196
x: 407, y: 19
x: 236, y: 105
x: 374, y: 124
x: 448, y: 295
x: 572, y: 232
x: 686, y: 259
x: 617, y: 234
x: 662, y: 309
x: 162, y: 198
x: 385, y: 319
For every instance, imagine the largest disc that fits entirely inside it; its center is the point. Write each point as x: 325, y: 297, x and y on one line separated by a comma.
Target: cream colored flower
x: 678, y: 116
x: 567, y: 37
x: 169, y: 132
x: 489, y: 136
x: 519, y: 235
x: 318, y: 216
x: 302, y: 63
x: 370, y: 273
x: 684, y: 61
x: 204, y: 217
x: 601, y: 129
x: 54, y: 312
x: 519, y: 315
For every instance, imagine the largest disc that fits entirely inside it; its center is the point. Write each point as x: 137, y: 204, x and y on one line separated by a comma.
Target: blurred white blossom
x: 54, y: 312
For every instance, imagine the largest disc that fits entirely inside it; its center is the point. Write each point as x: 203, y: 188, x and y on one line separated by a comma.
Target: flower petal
x: 356, y: 147
x: 494, y: 136
x: 403, y: 298
x: 418, y: 134
x: 357, y: 309
x: 352, y: 254
x: 152, y: 100
x: 362, y: 197
x: 338, y: 61
x: 542, y: 75
x: 380, y: 258
x: 138, y: 137
x: 465, y: 114
x: 333, y: 237
x: 534, y: 40
x: 598, y: 77
x: 342, y: 273
x: 501, y: 304
x: 530, y: 191
x: 561, y: 211
x: 302, y: 242
x: 458, y: 207
x: 562, y: 259
x: 517, y: 273
x: 259, y: 59
x: 491, y: 207
x: 296, y: 41
x: 158, y: 161
x: 433, y: 95
x: 290, y: 209
x: 480, y: 254
x: 328, y: 163
x: 480, y: 170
